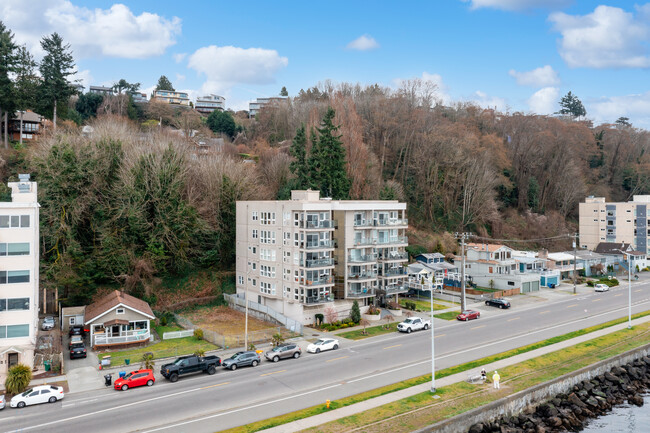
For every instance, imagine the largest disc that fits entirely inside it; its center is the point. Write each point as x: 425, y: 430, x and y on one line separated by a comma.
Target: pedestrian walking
x: 496, y: 378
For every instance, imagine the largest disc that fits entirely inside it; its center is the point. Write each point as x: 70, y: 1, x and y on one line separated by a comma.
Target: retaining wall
x: 517, y: 402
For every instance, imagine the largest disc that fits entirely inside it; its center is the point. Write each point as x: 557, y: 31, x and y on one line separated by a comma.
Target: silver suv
x: 48, y: 323
x: 283, y: 351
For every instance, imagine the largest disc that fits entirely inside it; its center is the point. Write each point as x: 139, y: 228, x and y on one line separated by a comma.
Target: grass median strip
x: 448, y: 315
x: 370, y: 332
x: 315, y: 410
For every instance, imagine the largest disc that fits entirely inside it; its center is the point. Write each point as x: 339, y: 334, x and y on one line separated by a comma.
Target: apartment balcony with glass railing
x: 361, y: 293
x: 393, y: 240
x: 320, y: 224
x: 395, y: 288
x: 364, y: 241
x: 398, y: 272
x: 393, y: 256
x: 313, y: 300
x: 362, y: 259
x: 317, y: 282
x: 391, y: 222
x: 365, y: 275
x: 318, y: 245
x: 317, y: 263
x: 363, y: 224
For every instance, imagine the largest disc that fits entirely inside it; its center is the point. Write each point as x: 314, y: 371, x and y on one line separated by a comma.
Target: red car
x: 135, y: 378
x: 468, y: 315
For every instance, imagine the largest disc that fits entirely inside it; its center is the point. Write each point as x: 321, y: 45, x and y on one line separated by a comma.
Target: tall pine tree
x: 56, y: 67
x: 327, y: 161
x: 26, y: 84
x: 7, y: 64
x: 298, y: 150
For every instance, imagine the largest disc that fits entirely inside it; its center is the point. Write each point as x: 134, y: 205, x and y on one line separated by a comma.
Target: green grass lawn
x: 449, y: 315
x: 370, y: 332
x: 421, y: 305
x: 160, y: 330
x: 164, y: 349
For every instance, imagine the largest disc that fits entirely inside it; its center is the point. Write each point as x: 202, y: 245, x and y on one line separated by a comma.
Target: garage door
x: 525, y: 287
x: 535, y: 286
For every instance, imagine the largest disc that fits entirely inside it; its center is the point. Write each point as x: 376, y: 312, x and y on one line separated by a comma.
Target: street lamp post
x: 433, y: 363
x: 629, y: 288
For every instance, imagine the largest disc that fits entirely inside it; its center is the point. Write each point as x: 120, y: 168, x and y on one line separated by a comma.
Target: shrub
x: 198, y: 334
x: 199, y: 352
x: 373, y: 310
x: 18, y: 378
x: 393, y: 305
x: 410, y: 305
x: 251, y: 346
x: 147, y: 361
x: 347, y: 320
x: 277, y: 339
x: 355, y: 312
x: 590, y: 283
x: 319, y: 318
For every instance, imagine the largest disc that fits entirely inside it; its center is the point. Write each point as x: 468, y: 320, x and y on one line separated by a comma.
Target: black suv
x: 77, y: 330
x: 501, y: 303
x: 77, y: 350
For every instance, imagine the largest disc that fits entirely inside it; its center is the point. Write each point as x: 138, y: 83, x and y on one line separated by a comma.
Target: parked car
x: 2, y: 402
x: 77, y: 330
x: 499, y: 302
x: 37, y: 395
x: 190, y: 364
x: 413, y: 324
x: 75, y: 339
x: 601, y: 288
x: 322, y: 345
x: 48, y: 323
x: 242, y: 359
x: 135, y: 378
x: 283, y: 351
x: 468, y: 315
x: 77, y: 350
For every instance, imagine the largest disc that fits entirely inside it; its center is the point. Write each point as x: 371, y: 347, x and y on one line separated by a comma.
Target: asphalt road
x: 210, y: 403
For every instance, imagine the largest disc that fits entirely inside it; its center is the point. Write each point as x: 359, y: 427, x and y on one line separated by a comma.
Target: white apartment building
x: 171, y: 97
x: 19, y: 260
x: 207, y: 104
x: 254, y: 107
x: 627, y: 222
x: 303, y: 255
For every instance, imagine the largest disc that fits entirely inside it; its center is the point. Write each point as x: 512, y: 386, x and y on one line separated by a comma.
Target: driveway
x: 83, y: 373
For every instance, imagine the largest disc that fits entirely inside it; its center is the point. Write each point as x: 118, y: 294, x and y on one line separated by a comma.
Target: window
x: 267, y: 271
x: 268, y: 218
x: 14, y: 221
x: 254, y: 250
x: 14, y: 304
x: 72, y: 321
x: 240, y: 278
x: 267, y: 237
x: 254, y: 233
x: 14, y: 249
x: 9, y: 277
x: 254, y: 215
x: 266, y: 254
x: 14, y: 331
x: 119, y: 311
x: 511, y: 283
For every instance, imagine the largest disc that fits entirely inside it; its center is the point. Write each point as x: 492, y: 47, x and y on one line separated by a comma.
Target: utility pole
x: 462, y: 237
x: 575, y: 242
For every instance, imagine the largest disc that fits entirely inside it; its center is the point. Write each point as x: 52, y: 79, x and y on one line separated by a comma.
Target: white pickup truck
x: 413, y: 324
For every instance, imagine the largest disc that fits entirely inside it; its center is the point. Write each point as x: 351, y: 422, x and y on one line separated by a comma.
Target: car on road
x: 77, y: 330
x: 601, y: 288
x: 468, y: 315
x: 37, y: 395
x: 242, y: 359
x: 413, y: 324
x: 78, y: 350
x: 323, y: 344
x: 134, y: 379
x: 190, y: 364
x: 2, y: 402
x: 48, y: 323
x: 498, y: 302
x: 283, y: 351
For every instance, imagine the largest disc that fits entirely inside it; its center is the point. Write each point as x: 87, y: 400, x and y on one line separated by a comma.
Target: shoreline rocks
x: 587, y: 400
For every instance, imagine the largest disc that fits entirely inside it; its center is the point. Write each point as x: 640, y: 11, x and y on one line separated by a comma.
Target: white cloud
x: 226, y: 66
x: 180, y: 77
x: 484, y: 100
x: 179, y: 57
x: 114, y: 32
x: 518, y: 5
x: 539, y: 77
x: 363, y: 43
x: 84, y: 77
x: 636, y: 107
x: 609, y: 37
x: 544, y: 101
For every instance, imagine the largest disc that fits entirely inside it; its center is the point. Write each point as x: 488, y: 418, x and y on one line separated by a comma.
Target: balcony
x: 317, y: 282
x: 363, y: 293
x: 318, y: 245
x: 362, y: 276
x: 391, y: 222
x: 395, y: 240
x: 313, y: 300
x: 364, y: 241
x: 401, y: 272
x: 318, y: 263
x: 394, y: 289
x: 363, y: 224
x: 321, y: 224
x: 362, y: 259
x: 394, y: 256
x: 128, y: 337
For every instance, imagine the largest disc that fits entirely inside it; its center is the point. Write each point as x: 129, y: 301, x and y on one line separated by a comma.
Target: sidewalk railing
x: 239, y: 303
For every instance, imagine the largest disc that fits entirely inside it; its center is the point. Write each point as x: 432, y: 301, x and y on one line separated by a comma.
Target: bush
x: 198, y: 334
x: 373, y: 310
x: 18, y: 379
x: 199, y: 352
x: 591, y: 283
x: 277, y: 339
x: 393, y: 305
x: 347, y: 320
x: 355, y: 312
x: 147, y: 361
x: 410, y: 305
x: 320, y: 318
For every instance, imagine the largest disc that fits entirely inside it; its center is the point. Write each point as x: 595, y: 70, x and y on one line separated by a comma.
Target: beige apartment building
x: 19, y: 258
x: 615, y: 222
x: 303, y: 255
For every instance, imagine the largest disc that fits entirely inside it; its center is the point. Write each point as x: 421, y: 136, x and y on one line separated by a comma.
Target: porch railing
x: 134, y: 337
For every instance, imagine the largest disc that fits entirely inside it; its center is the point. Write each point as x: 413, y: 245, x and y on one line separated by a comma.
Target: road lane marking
x: 439, y: 335
x: 390, y: 347
x: 273, y: 372
x: 596, y: 300
x: 620, y: 294
x: 516, y: 318
x: 478, y: 327
x: 336, y: 359
x: 572, y: 305
x: 544, y: 312
x: 218, y: 384
x: 638, y: 290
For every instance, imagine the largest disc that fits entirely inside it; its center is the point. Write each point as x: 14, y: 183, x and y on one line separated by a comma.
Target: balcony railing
x: 401, y: 272
x: 363, y: 293
x: 321, y: 224
x: 130, y: 337
x: 392, y: 222
x: 395, y: 240
x: 318, y: 281
x: 311, y: 300
x: 394, y: 255
x: 362, y: 259
x: 392, y: 289
x: 365, y: 241
x: 363, y: 223
x: 319, y: 245
x: 363, y: 276
x: 318, y: 263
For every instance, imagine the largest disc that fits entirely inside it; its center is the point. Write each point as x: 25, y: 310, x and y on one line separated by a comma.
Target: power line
x: 566, y: 236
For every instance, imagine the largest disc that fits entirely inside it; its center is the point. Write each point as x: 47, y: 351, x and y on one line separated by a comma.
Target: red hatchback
x: 468, y: 315
x: 135, y: 378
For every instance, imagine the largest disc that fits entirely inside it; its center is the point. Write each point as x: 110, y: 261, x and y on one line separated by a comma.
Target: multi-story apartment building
x: 627, y: 222
x: 255, y: 106
x: 101, y: 90
x: 139, y: 97
x: 171, y: 97
x: 207, y: 104
x: 19, y: 259
x: 302, y: 255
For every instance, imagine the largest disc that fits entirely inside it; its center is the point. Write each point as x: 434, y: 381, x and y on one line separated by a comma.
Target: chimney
x: 543, y: 253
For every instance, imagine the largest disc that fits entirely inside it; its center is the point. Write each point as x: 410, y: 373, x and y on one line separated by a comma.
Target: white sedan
x: 323, y: 344
x: 36, y: 395
x: 601, y: 288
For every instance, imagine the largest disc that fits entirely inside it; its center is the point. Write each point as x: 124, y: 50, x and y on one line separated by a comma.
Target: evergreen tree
x: 7, y: 65
x: 625, y: 121
x: 26, y: 84
x: 56, y: 67
x: 284, y: 92
x: 87, y: 104
x: 298, y: 150
x: 327, y: 161
x: 223, y: 122
x: 355, y: 312
x: 164, y: 84
x: 572, y: 105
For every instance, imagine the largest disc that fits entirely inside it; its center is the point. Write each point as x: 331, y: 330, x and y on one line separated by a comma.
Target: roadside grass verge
x: 448, y: 315
x: 165, y: 349
x: 447, y: 392
x: 370, y: 332
x: 421, y: 305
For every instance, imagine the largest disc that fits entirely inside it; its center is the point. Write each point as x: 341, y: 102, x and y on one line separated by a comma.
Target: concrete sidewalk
x: 445, y: 381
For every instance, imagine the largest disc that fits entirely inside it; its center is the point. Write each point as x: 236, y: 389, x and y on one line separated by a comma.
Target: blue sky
x: 517, y: 55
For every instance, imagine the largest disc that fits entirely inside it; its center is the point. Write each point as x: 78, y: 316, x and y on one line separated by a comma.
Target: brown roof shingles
x: 113, y: 299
